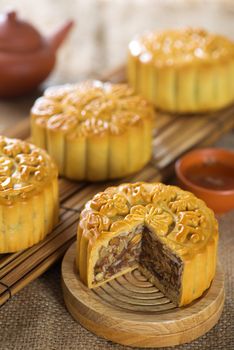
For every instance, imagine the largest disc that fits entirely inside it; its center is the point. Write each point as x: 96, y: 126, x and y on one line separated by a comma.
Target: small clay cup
x: 219, y: 200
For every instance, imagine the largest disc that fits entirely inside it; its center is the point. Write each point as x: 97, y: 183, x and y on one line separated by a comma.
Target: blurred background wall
x: 104, y: 27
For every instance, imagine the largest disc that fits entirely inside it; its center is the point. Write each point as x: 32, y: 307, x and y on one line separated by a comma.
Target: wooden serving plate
x: 131, y: 311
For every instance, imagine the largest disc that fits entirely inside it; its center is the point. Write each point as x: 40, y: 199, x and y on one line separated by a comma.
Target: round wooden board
x: 131, y: 311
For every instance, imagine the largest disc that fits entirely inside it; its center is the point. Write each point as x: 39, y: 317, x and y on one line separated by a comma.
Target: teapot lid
x: 17, y: 35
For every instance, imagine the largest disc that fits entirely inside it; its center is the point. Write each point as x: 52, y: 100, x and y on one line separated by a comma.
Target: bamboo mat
x: 173, y: 136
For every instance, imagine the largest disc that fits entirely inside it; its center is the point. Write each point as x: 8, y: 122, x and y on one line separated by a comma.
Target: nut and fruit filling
x: 121, y: 252
x: 164, y: 266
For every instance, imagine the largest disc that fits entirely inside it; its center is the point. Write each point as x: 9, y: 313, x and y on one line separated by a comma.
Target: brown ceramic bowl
x: 209, y: 174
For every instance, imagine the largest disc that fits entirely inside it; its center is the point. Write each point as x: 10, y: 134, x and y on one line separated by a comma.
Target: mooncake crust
x: 28, y: 194
x: 183, y: 70
x: 182, y: 46
x: 100, y: 125
x: 24, y: 169
x: 180, y: 220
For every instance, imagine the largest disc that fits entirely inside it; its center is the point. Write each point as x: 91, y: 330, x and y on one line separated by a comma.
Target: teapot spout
x: 56, y: 39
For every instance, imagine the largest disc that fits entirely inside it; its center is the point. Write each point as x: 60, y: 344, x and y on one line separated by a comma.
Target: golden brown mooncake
x: 168, y: 233
x: 28, y: 194
x: 183, y: 70
x: 94, y: 130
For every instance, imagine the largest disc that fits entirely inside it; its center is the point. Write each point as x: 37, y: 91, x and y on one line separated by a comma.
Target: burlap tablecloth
x: 36, y: 318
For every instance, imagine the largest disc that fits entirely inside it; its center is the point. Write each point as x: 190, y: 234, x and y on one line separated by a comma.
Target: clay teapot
x: 26, y: 57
